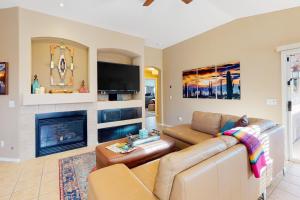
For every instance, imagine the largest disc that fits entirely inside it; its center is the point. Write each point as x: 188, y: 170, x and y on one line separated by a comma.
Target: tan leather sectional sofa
x: 206, y: 168
x: 205, y: 125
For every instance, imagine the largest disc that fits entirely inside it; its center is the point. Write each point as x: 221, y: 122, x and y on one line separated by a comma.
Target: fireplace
x: 62, y: 131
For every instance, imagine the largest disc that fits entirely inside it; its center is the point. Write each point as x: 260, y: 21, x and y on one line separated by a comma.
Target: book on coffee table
x: 120, y: 148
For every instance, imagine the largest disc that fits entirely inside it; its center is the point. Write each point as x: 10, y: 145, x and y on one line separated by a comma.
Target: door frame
x: 156, y: 93
x: 285, y: 51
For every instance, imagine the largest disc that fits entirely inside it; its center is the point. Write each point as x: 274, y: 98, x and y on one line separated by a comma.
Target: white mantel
x: 46, y: 99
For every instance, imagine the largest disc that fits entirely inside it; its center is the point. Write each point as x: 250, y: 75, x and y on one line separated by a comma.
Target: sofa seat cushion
x: 147, y: 173
x: 206, y: 122
x: 185, y: 133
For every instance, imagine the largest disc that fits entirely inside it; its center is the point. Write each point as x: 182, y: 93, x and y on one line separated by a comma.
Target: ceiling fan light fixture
x: 148, y: 2
x: 187, y: 1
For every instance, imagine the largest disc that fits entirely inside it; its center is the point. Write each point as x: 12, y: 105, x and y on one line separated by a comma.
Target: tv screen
x: 118, y: 77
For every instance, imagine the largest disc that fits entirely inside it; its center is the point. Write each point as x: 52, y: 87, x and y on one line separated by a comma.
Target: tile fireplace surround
x: 27, y: 124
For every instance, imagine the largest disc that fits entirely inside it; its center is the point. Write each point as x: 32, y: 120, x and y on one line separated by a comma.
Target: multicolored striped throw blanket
x: 249, y: 137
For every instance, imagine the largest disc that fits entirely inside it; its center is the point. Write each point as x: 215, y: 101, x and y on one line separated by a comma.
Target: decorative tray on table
x: 135, y: 140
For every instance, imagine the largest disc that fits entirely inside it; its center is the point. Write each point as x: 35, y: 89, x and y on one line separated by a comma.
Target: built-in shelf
x: 46, y: 99
x: 102, y: 105
x: 119, y: 123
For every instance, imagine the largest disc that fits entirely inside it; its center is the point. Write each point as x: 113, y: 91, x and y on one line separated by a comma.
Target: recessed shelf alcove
x: 42, y: 53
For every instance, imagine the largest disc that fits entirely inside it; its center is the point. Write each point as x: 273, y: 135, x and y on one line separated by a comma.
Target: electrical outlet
x: 1, y: 143
x: 272, y: 102
x: 11, y: 104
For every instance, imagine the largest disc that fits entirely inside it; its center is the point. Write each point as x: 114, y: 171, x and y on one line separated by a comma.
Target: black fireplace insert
x: 61, y: 131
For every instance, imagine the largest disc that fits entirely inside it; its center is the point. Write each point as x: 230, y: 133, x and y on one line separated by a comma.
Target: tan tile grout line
x: 275, y: 187
x: 288, y: 192
x: 282, y: 179
x: 40, y: 185
x: 16, y: 181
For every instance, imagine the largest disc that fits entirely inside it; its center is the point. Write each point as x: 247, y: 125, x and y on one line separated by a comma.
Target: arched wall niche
x: 40, y: 63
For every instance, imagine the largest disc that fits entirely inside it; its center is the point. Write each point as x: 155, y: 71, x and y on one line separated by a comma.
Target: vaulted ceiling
x: 164, y: 23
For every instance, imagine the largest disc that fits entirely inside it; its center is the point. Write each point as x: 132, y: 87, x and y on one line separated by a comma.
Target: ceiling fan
x: 149, y: 2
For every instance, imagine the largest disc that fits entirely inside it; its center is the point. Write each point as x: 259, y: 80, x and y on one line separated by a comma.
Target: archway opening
x: 152, y: 96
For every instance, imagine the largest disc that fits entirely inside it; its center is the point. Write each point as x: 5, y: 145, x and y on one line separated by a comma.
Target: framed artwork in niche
x: 3, y: 78
x: 213, y: 82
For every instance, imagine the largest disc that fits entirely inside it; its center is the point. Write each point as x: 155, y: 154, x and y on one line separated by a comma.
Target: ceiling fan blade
x: 187, y: 1
x: 148, y: 2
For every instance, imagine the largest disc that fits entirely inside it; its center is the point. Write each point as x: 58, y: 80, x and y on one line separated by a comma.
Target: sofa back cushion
x: 225, y: 176
x: 174, y: 163
x: 206, y: 122
x: 263, y: 124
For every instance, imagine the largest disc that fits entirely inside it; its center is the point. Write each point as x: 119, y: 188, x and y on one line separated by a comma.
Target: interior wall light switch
x: 11, y: 104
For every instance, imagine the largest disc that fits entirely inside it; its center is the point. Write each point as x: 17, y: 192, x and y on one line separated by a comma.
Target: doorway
x: 152, y: 97
x: 291, y: 101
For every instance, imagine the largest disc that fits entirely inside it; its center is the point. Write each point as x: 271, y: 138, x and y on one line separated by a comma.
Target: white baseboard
x: 14, y: 160
x: 165, y: 125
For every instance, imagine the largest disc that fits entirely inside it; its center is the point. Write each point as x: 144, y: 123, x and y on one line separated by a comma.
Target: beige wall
x: 114, y: 57
x: 9, y: 53
x: 34, y: 24
x: 41, y: 63
x: 21, y: 25
x: 153, y: 57
x: 252, y: 41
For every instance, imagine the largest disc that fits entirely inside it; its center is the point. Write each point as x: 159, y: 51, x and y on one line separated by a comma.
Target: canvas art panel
x: 213, y: 82
x: 189, y: 83
x: 3, y: 78
x: 207, y: 82
x: 229, y: 82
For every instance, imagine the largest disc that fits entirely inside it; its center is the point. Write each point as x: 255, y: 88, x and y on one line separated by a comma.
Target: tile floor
x: 296, y: 149
x: 286, y: 187
x: 37, y: 179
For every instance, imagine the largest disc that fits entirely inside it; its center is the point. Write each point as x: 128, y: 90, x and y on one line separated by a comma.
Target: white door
x: 292, y: 103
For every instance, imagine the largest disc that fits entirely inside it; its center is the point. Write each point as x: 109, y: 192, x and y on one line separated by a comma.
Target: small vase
x: 35, y: 85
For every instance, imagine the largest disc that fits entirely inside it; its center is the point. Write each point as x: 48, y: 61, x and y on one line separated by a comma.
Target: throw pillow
x: 242, y: 122
x: 228, y: 125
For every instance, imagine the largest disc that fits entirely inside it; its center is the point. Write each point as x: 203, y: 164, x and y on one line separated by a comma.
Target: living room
x: 75, y: 122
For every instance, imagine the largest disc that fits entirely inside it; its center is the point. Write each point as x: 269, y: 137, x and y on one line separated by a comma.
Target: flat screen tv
x: 116, y: 78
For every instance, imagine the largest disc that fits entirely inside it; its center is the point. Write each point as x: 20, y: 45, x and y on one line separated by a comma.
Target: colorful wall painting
x: 213, y: 82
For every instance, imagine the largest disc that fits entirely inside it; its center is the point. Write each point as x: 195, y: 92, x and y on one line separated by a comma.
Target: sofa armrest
x: 276, y: 144
x: 116, y: 182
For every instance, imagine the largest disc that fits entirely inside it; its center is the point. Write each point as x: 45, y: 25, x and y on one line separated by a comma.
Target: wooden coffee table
x: 142, y: 154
